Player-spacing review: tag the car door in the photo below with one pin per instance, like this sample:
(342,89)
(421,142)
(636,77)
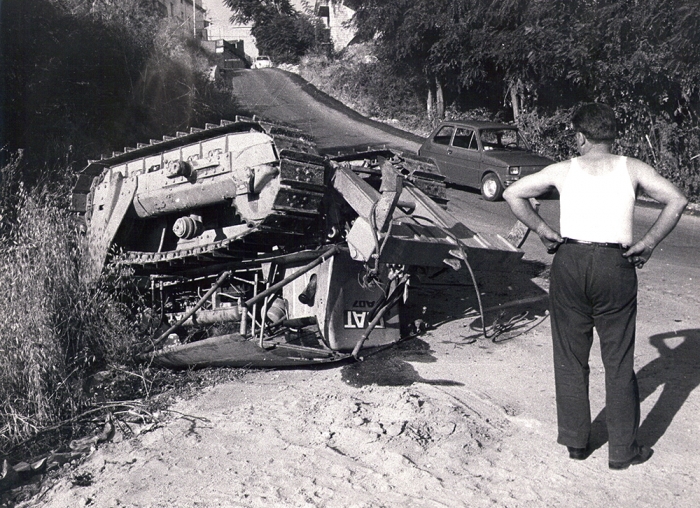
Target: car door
(438,148)
(465,158)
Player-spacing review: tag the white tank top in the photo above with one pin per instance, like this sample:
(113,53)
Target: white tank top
(597,208)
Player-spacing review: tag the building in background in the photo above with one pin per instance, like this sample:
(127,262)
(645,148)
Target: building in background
(189,12)
(335,16)
(216,32)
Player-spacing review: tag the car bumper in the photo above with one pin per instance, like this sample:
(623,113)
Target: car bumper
(524,171)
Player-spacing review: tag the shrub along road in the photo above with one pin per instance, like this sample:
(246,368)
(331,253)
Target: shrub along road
(446,419)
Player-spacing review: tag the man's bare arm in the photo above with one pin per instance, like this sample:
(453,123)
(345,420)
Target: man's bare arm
(518,194)
(665,193)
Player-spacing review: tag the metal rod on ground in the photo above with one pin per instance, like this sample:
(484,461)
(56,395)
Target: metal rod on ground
(370,327)
(275,287)
(262,326)
(194,309)
(244,320)
(264,309)
(255,305)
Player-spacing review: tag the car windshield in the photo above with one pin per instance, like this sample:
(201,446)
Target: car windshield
(502,139)
(263,58)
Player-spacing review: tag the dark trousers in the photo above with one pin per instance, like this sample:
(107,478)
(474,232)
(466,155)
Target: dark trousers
(594,286)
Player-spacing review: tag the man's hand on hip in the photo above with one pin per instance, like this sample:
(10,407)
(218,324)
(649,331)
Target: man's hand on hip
(638,254)
(550,238)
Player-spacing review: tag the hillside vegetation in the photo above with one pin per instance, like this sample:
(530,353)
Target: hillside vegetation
(79,78)
(531,62)
(369,87)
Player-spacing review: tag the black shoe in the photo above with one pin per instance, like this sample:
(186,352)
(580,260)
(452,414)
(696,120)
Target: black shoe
(577,453)
(643,454)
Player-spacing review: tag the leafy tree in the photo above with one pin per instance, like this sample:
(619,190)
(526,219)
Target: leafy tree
(284,38)
(418,35)
(279,30)
(456,45)
(258,11)
(550,50)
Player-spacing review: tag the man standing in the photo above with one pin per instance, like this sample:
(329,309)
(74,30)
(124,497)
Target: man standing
(593,279)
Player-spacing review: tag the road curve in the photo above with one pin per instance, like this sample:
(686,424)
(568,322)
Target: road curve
(280,96)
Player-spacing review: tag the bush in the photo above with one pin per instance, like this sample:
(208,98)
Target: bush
(672,148)
(549,135)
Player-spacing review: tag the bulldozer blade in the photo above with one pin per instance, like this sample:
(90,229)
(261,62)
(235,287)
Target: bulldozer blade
(235,351)
(107,217)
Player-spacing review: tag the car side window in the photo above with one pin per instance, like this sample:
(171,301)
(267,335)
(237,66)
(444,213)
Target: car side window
(464,138)
(444,135)
(500,139)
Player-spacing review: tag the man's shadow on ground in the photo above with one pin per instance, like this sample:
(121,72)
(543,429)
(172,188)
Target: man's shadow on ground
(677,370)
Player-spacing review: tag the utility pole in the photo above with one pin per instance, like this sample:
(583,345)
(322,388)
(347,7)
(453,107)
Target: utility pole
(194,18)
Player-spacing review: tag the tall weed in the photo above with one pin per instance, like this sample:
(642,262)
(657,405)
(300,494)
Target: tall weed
(55,329)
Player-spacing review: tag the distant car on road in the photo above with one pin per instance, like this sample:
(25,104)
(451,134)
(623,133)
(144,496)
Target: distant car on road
(484,155)
(262,62)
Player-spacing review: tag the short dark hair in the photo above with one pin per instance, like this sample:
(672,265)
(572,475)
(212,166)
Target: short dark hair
(595,121)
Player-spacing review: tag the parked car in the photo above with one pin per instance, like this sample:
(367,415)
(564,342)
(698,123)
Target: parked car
(483,155)
(262,62)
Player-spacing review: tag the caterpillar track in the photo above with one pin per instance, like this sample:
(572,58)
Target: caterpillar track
(219,194)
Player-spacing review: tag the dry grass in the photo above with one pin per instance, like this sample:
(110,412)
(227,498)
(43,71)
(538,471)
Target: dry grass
(55,329)
(99,80)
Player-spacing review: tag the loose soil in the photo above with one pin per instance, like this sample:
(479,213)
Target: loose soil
(445,419)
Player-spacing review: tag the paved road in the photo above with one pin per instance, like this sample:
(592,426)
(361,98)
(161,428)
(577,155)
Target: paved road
(284,97)
(279,96)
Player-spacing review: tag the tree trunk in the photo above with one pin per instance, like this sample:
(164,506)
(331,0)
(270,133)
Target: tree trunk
(515,98)
(431,105)
(439,100)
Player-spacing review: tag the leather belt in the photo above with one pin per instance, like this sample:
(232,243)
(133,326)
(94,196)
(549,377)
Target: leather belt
(596,244)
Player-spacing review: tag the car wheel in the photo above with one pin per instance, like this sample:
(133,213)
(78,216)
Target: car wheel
(491,187)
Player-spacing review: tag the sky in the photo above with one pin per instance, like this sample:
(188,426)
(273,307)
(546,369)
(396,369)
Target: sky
(218,13)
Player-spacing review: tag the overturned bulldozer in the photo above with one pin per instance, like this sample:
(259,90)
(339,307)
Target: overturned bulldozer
(260,252)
